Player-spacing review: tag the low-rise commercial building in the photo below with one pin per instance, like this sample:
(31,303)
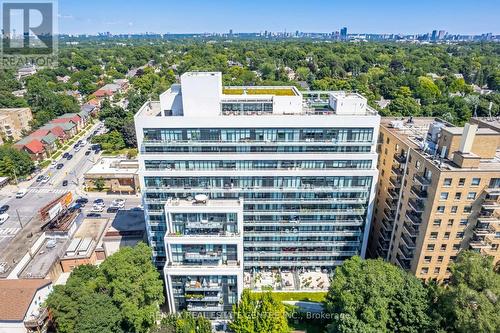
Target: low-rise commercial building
(118,175)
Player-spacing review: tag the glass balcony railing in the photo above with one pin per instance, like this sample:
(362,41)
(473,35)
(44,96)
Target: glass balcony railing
(205,308)
(198,287)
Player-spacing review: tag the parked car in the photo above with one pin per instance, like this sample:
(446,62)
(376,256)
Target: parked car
(4,208)
(120,203)
(65,155)
(99,202)
(69,157)
(93,215)
(97,208)
(39,178)
(59,166)
(45,180)
(3,217)
(53,164)
(112,209)
(82,201)
(87,153)
(65,183)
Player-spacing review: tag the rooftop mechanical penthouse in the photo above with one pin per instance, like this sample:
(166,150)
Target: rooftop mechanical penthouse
(302,163)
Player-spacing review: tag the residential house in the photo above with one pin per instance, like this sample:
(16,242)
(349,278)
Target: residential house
(57,130)
(22,310)
(26,71)
(49,140)
(33,147)
(63,79)
(70,117)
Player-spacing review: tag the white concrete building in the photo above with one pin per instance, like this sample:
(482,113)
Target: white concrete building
(204,246)
(304,164)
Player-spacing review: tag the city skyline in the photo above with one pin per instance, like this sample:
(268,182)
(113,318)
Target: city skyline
(217,17)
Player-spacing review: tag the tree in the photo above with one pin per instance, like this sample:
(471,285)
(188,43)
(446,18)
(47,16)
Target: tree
(99,184)
(471,301)
(183,323)
(376,296)
(123,294)
(14,163)
(259,313)
(111,141)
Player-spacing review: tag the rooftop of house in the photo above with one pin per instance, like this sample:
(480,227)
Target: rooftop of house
(44,259)
(34,146)
(20,293)
(91,229)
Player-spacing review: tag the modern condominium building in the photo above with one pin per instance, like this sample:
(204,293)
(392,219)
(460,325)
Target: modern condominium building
(438,193)
(303,165)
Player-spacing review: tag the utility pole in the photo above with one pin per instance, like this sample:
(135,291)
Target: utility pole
(19,218)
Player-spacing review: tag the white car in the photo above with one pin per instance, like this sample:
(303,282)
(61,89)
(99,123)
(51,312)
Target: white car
(97,208)
(45,180)
(4,217)
(83,143)
(120,203)
(21,193)
(53,164)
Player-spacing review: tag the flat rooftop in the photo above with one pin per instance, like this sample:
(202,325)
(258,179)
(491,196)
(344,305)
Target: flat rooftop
(260,90)
(127,223)
(112,165)
(44,259)
(414,134)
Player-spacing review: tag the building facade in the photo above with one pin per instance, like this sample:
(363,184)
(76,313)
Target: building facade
(304,165)
(204,246)
(13,122)
(438,194)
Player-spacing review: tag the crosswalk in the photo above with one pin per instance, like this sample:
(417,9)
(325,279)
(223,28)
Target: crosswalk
(47,190)
(8,232)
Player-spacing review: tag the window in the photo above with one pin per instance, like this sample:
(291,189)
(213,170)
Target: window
(450,222)
(463,222)
(440,259)
(430,247)
(475,181)
(454,209)
(434,235)
(427,259)
(461,182)
(447,182)
(446,235)
(443,247)
(424,270)
(456,247)
(467,209)
(471,196)
(436,270)
(453,258)
(440,209)
(458,195)
(436,222)
(460,235)
(444,195)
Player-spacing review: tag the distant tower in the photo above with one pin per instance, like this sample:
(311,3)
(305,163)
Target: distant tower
(441,34)
(343,33)
(434,35)
(230,32)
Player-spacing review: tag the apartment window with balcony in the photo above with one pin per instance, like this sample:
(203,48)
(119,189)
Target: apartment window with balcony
(454,209)
(427,259)
(463,222)
(436,270)
(440,259)
(475,181)
(430,247)
(461,182)
(447,182)
(460,235)
(456,247)
(467,209)
(458,195)
(440,209)
(436,222)
(446,235)
(424,270)
(471,196)
(450,222)
(434,235)
(444,195)
(443,247)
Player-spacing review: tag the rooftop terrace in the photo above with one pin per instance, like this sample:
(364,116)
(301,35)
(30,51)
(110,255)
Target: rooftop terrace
(264,90)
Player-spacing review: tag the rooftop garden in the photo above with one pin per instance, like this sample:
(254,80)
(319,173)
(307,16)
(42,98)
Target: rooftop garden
(259,91)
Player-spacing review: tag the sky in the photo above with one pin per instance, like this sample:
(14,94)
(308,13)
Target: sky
(362,16)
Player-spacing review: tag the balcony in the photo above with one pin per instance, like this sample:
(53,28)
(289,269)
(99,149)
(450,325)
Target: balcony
(405,253)
(37,320)
(419,193)
(397,171)
(204,256)
(416,205)
(198,287)
(385,236)
(401,159)
(394,182)
(390,214)
(414,218)
(407,241)
(394,195)
(386,225)
(204,224)
(411,231)
(490,204)
(404,264)
(202,298)
(391,204)
(478,243)
(422,180)
(205,308)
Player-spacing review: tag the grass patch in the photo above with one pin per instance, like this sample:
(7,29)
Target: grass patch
(315,296)
(44,164)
